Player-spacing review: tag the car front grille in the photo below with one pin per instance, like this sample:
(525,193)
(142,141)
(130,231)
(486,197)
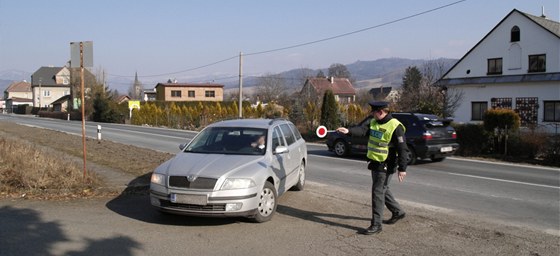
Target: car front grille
(199,183)
(193,207)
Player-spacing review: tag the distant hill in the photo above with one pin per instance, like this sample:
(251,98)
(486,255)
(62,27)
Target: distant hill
(367,74)
(7,77)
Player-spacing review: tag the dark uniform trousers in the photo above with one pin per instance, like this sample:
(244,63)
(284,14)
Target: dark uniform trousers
(380,193)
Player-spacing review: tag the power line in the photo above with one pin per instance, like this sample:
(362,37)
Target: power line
(181,71)
(304,44)
(355,32)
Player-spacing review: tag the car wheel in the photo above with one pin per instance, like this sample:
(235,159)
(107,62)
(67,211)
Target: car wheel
(301,177)
(437,159)
(340,148)
(411,155)
(267,203)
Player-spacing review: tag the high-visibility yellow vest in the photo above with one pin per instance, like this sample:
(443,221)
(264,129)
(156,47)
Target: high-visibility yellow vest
(380,137)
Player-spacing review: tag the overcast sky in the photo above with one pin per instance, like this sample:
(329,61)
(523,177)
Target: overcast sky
(172,38)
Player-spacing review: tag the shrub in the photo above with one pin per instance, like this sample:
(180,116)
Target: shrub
(552,151)
(504,119)
(473,139)
(527,145)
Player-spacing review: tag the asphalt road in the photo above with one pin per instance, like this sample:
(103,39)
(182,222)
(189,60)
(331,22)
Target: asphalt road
(518,195)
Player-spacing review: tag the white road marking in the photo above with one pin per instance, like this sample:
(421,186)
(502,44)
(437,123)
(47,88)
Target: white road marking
(502,180)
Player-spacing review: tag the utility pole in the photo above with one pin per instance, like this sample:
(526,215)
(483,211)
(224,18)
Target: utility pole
(83,51)
(240,84)
(40,93)
(83,104)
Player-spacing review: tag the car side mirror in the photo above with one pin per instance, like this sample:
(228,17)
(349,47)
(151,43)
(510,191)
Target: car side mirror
(280,150)
(182,146)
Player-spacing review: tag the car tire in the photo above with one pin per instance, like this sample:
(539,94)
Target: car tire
(437,159)
(411,155)
(340,148)
(301,178)
(267,203)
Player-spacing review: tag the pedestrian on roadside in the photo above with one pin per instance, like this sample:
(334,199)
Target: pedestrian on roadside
(387,153)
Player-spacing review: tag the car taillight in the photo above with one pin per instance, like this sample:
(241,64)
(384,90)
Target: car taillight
(454,135)
(427,136)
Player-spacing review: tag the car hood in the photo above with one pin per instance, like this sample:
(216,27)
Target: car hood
(206,165)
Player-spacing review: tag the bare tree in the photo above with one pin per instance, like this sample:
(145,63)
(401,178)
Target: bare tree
(363,96)
(270,87)
(449,100)
(340,71)
(421,92)
(231,95)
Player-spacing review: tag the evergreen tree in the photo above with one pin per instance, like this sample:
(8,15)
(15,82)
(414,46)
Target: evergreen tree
(320,74)
(410,99)
(104,109)
(330,117)
(297,114)
(412,79)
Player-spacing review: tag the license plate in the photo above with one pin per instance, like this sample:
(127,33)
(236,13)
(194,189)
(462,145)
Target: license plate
(188,199)
(446,149)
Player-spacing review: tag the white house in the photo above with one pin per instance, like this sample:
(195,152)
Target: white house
(515,66)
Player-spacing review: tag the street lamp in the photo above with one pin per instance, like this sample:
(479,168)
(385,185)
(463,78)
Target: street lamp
(443,91)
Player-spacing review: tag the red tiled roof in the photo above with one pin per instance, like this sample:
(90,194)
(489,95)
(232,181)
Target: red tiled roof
(22,86)
(339,86)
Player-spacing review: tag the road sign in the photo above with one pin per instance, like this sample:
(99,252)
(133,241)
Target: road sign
(322,131)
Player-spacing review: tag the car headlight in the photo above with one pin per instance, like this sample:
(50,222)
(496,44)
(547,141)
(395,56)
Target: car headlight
(237,184)
(158,179)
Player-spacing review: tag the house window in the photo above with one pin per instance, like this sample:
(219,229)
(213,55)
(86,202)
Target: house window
(209,94)
(515,34)
(191,94)
(495,66)
(176,94)
(501,103)
(537,63)
(46,93)
(478,109)
(552,111)
(527,109)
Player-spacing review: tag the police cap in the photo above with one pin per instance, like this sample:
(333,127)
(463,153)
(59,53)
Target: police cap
(377,105)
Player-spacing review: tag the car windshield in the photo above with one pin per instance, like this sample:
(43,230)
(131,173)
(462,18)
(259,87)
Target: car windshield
(229,140)
(432,121)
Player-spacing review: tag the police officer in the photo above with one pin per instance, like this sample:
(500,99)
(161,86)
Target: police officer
(386,153)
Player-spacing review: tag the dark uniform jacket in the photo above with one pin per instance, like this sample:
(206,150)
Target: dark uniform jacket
(397,149)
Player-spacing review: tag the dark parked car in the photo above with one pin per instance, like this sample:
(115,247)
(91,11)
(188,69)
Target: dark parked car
(427,136)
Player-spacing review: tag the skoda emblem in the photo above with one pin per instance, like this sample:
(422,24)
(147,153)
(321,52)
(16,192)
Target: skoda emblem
(191,178)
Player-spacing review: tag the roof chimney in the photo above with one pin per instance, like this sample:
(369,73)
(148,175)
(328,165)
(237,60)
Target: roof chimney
(331,79)
(542,11)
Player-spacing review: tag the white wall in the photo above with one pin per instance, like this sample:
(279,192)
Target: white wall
(534,40)
(543,91)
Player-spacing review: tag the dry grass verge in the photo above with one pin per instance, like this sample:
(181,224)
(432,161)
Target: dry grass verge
(28,152)
(28,171)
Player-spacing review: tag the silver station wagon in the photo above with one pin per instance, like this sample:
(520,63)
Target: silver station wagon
(232,168)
